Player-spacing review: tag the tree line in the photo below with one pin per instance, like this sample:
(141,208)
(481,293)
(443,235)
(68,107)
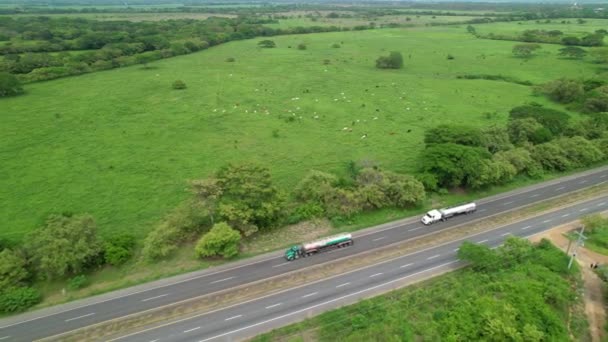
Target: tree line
(42,48)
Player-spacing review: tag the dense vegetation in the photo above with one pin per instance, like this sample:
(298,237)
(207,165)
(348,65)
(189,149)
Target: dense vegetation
(518,292)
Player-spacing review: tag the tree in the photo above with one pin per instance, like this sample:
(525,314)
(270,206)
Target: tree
(393,61)
(9,85)
(457,134)
(453,164)
(525,50)
(496,139)
(119,249)
(521,159)
(600,55)
(144,58)
(522,130)
(593,39)
(221,240)
(12,269)
(571,40)
(248,201)
(493,172)
(554,120)
(471,30)
(64,245)
(267,43)
(480,256)
(301,46)
(564,90)
(572,52)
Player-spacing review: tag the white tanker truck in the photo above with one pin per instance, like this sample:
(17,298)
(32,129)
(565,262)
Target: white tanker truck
(445,213)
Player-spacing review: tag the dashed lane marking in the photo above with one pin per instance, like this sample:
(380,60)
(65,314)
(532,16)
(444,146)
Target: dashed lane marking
(310,294)
(221,280)
(375,275)
(526,227)
(274,305)
(482,241)
(279,265)
(411,230)
(380,238)
(79,317)
(406,265)
(433,257)
(155,297)
(341,285)
(233,317)
(189,330)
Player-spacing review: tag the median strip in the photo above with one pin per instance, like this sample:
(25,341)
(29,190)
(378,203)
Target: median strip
(122,326)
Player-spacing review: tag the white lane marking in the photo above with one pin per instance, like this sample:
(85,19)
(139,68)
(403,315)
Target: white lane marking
(526,227)
(535,195)
(601,204)
(456,250)
(233,317)
(342,285)
(273,306)
(505,234)
(482,241)
(406,265)
(325,303)
(584,209)
(560,188)
(279,265)
(4,338)
(433,257)
(547,221)
(565,215)
(310,294)
(152,298)
(411,230)
(221,280)
(481,210)
(602,176)
(375,275)
(153,340)
(507,203)
(189,330)
(79,317)
(582,182)
(380,238)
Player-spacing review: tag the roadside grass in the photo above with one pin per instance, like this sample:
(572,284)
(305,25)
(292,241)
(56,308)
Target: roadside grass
(121,144)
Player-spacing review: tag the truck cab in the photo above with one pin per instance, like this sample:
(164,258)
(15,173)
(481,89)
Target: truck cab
(292,253)
(431,217)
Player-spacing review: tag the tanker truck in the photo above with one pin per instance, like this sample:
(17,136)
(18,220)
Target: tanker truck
(445,213)
(308,249)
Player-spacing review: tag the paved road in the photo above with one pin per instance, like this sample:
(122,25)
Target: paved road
(54,321)
(251,318)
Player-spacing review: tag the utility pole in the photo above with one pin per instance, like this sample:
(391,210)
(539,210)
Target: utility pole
(580,241)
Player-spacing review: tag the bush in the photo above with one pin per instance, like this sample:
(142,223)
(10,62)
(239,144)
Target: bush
(230,59)
(116,255)
(9,85)
(12,269)
(267,43)
(301,46)
(221,240)
(78,282)
(335,45)
(18,299)
(393,61)
(563,90)
(179,85)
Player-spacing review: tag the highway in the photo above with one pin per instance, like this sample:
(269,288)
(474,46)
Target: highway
(53,321)
(254,317)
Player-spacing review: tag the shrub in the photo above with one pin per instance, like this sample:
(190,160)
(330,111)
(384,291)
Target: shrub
(563,90)
(221,240)
(393,61)
(179,84)
(335,45)
(230,59)
(301,46)
(267,43)
(116,255)
(9,85)
(12,269)
(18,299)
(78,282)
(450,56)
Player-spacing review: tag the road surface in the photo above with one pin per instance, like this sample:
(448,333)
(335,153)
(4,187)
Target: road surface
(254,317)
(57,320)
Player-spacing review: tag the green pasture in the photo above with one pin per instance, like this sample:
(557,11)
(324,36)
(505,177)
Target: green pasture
(135,16)
(517,27)
(121,144)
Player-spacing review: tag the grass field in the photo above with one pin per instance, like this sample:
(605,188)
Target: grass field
(415,20)
(121,144)
(573,28)
(136,16)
